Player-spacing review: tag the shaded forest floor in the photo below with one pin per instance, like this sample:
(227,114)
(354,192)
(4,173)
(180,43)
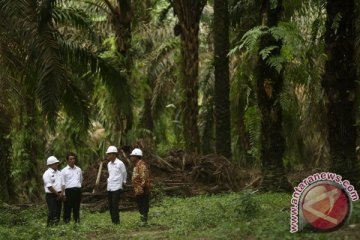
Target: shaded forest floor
(242,215)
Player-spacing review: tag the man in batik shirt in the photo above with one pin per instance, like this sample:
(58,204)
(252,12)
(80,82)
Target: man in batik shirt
(141,183)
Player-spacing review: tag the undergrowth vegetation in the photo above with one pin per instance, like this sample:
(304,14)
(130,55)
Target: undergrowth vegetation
(246,215)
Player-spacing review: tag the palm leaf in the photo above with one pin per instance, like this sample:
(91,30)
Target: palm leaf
(77,18)
(76,104)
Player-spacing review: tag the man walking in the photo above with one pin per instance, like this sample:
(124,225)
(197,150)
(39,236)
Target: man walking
(116,180)
(72,180)
(53,186)
(141,183)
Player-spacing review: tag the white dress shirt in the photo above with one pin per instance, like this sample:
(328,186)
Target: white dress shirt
(52,178)
(117,175)
(72,177)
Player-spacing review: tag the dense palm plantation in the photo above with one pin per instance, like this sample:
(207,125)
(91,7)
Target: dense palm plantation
(271,85)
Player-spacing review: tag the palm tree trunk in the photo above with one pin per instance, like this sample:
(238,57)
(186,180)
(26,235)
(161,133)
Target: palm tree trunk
(121,18)
(189,69)
(31,179)
(222,85)
(147,118)
(339,82)
(189,13)
(148,121)
(6,193)
(269,86)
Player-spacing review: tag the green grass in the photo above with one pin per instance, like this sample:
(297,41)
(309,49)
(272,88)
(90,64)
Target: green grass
(228,216)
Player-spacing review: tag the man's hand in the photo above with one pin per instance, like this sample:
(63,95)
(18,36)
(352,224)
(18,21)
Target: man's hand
(59,196)
(62,196)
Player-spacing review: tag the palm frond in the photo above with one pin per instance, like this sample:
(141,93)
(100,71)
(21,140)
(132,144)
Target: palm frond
(76,104)
(83,59)
(75,17)
(99,14)
(164,88)
(159,47)
(116,83)
(96,6)
(50,72)
(164,12)
(77,57)
(161,59)
(11,54)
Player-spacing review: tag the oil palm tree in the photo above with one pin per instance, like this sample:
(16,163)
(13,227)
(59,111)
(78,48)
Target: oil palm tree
(49,70)
(339,82)
(222,82)
(189,13)
(269,87)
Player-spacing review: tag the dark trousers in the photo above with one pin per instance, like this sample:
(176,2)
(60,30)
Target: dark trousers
(72,204)
(113,199)
(143,205)
(54,209)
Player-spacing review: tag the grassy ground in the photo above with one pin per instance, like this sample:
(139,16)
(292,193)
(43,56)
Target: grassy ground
(228,216)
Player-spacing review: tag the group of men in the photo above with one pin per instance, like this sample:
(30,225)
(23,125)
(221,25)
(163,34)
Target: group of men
(64,187)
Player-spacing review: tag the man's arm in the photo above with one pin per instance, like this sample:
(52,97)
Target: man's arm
(62,184)
(48,185)
(81,176)
(52,189)
(123,172)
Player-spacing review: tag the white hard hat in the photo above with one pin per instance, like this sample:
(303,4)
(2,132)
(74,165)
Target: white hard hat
(112,149)
(51,160)
(136,152)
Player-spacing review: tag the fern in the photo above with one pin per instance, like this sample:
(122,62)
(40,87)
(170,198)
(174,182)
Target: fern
(276,62)
(265,52)
(249,41)
(252,121)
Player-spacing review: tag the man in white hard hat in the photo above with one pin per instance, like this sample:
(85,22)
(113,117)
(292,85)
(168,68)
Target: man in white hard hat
(53,190)
(72,179)
(115,182)
(141,183)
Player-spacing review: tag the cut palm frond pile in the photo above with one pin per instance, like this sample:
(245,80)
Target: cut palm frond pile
(177,174)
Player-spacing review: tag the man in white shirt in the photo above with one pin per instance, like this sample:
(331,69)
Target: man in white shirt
(115,182)
(53,190)
(72,180)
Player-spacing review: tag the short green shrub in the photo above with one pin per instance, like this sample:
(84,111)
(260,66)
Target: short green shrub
(247,206)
